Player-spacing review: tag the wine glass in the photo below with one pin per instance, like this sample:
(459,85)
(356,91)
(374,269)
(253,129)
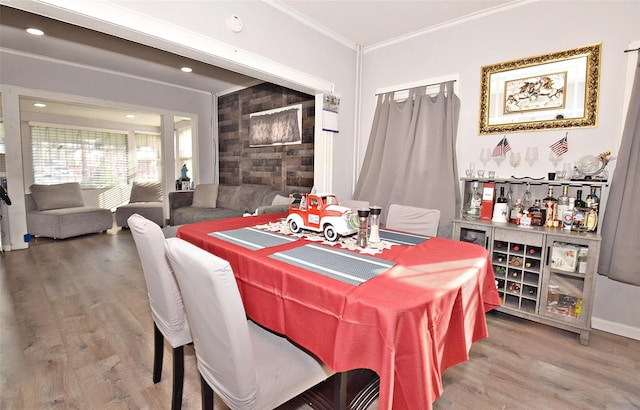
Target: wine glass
(531,156)
(485,156)
(498,159)
(555,159)
(515,159)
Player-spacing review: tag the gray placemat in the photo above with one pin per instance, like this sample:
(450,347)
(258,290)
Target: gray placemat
(253,238)
(402,238)
(345,266)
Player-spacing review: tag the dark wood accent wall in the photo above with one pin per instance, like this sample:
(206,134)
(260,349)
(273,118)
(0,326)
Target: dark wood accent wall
(276,166)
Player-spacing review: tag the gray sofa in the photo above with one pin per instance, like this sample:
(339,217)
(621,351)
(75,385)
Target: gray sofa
(231,201)
(58,211)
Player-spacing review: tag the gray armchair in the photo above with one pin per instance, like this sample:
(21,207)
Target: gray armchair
(145,200)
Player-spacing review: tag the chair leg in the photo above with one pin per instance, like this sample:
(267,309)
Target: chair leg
(207,394)
(158,351)
(178,377)
(340,391)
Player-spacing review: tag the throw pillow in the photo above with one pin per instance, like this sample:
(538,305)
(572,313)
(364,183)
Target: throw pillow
(280,200)
(146,192)
(57,196)
(205,196)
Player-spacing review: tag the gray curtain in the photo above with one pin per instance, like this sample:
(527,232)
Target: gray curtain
(411,157)
(620,227)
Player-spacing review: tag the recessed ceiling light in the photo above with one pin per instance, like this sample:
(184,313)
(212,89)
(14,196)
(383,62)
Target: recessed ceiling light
(130,116)
(35,31)
(40,105)
(186,69)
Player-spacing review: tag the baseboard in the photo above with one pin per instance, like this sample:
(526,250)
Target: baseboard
(615,328)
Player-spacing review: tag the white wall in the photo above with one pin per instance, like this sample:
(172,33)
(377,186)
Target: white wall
(532,29)
(272,46)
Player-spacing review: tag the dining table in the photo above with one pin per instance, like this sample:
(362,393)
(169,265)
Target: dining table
(407,309)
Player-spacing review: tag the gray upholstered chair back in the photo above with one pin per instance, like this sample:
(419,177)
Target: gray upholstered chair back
(412,219)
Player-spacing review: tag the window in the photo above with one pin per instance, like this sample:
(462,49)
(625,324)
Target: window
(184,150)
(148,157)
(3,151)
(95,159)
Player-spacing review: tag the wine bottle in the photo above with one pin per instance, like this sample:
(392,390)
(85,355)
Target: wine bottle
(592,200)
(501,208)
(579,202)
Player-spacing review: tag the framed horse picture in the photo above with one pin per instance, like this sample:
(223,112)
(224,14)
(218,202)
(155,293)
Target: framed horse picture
(551,91)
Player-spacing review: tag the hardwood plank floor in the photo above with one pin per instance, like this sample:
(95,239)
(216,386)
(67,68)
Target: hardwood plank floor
(76,333)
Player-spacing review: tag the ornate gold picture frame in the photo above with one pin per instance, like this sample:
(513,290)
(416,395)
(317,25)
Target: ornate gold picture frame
(551,91)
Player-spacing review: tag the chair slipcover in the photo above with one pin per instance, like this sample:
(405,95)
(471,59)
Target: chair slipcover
(412,219)
(165,299)
(246,365)
(355,205)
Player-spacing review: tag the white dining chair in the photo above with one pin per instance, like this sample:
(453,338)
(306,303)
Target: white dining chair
(169,318)
(406,218)
(246,365)
(354,205)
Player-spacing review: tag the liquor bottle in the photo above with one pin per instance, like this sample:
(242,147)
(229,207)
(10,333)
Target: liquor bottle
(516,212)
(593,204)
(537,216)
(501,209)
(579,202)
(580,214)
(567,216)
(592,200)
(472,210)
(550,203)
(563,203)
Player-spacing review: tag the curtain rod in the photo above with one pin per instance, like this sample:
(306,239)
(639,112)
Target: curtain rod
(417,86)
(632,49)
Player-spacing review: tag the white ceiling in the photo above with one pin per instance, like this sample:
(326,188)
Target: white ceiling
(369,23)
(372,22)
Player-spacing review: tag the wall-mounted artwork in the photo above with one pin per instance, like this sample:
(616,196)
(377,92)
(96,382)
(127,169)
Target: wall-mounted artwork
(556,90)
(279,126)
(543,92)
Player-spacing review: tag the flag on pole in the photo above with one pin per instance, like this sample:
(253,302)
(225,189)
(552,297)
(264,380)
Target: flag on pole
(561,146)
(502,148)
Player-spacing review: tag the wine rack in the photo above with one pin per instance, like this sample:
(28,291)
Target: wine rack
(517,265)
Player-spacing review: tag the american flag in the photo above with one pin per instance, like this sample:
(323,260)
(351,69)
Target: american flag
(502,148)
(561,146)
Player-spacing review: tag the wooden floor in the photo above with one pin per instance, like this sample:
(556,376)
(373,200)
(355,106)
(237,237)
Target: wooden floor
(76,333)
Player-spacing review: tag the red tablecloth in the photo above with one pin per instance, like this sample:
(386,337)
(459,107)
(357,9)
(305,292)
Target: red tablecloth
(408,324)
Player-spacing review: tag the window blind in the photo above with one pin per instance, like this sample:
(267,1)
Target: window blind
(148,157)
(95,159)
